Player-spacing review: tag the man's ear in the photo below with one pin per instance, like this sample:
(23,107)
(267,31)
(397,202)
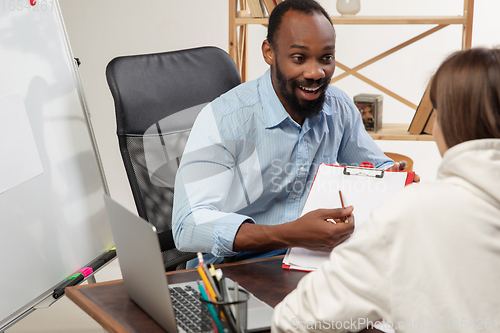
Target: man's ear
(268,53)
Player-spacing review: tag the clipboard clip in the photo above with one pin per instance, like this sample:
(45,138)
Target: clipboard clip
(362,171)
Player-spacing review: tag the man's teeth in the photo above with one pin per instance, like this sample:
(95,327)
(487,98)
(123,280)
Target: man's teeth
(310,89)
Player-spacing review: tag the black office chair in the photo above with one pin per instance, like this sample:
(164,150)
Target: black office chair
(157,98)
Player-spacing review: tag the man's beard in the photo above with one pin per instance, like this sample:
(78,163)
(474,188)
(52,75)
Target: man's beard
(304,108)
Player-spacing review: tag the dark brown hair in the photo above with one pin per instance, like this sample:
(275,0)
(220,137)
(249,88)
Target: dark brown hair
(465,92)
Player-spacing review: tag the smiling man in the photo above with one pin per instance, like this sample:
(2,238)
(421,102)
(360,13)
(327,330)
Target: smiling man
(253,152)
(300,48)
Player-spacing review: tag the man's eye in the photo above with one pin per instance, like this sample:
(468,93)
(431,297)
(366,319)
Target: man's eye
(297,58)
(328,58)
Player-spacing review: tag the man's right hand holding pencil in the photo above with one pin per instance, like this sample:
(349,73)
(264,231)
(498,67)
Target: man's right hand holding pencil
(314,231)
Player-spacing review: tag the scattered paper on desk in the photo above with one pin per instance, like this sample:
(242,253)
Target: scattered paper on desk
(363,192)
(302,259)
(19,157)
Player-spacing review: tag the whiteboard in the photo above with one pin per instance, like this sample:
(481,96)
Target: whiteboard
(52,221)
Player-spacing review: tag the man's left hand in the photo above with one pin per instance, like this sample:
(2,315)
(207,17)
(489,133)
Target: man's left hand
(400,166)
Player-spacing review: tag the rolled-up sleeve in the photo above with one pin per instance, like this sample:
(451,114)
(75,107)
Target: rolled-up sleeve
(204,186)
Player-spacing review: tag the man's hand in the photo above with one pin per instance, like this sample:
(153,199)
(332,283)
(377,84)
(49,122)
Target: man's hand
(400,166)
(314,231)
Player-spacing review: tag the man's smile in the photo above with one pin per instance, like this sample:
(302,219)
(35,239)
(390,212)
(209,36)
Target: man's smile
(309,93)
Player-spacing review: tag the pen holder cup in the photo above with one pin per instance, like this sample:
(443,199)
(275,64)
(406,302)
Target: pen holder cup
(230,315)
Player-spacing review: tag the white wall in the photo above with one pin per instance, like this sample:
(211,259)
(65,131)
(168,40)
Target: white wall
(100,30)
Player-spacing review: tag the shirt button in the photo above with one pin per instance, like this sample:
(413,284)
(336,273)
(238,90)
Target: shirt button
(294,196)
(302,169)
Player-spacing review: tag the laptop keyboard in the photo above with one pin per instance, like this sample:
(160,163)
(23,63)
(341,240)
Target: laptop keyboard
(188,309)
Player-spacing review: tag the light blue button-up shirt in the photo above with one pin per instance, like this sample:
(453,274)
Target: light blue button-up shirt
(247,160)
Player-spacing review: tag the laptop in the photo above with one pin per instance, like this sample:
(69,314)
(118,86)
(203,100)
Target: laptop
(144,276)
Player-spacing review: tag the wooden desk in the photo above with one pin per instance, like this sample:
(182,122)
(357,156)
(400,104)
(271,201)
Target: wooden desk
(110,306)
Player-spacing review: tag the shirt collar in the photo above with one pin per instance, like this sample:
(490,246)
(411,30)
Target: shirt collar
(273,111)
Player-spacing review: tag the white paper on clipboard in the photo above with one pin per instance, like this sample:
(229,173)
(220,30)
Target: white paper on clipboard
(365,189)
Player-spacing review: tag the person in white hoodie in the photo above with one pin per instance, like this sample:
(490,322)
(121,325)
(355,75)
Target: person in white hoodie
(429,259)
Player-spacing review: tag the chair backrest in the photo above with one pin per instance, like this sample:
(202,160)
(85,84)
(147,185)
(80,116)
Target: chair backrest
(157,98)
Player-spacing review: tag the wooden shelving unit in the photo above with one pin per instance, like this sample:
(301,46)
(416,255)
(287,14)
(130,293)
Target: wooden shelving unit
(398,132)
(371,20)
(238,49)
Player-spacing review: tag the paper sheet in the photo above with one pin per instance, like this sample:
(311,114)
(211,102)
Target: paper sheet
(363,192)
(19,157)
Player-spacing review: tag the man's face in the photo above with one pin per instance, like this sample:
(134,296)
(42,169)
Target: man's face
(303,62)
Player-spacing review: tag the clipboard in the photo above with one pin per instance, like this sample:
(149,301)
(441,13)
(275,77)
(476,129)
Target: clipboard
(362,187)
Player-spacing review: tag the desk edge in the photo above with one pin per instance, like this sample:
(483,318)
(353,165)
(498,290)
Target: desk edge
(108,323)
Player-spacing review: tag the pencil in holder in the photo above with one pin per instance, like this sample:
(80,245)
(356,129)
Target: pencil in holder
(226,316)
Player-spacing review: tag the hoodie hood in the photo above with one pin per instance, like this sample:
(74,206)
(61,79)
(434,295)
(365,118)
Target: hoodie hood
(475,166)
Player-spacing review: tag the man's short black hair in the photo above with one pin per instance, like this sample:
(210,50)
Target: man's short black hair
(308,7)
